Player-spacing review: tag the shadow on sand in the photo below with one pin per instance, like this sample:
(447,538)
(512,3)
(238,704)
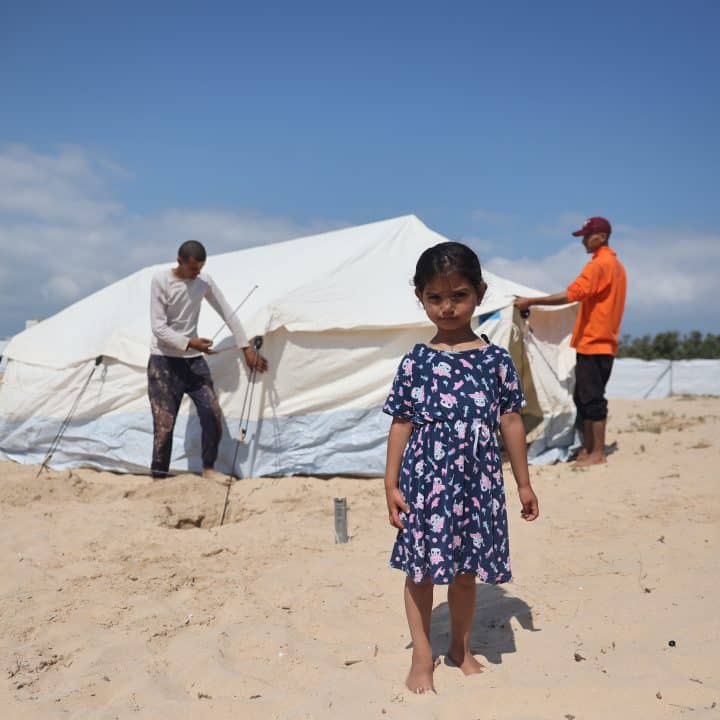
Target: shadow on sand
(492,635)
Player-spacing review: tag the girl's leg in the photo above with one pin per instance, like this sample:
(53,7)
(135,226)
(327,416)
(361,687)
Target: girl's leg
(418,606)
(461,600)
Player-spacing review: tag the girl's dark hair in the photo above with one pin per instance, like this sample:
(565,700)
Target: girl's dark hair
(192,249)
(445,258)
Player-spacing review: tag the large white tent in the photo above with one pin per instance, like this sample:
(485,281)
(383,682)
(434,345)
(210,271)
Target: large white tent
(336,311)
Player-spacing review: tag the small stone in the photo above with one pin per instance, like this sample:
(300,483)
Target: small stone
(671,643)
(578,657)
(658,695)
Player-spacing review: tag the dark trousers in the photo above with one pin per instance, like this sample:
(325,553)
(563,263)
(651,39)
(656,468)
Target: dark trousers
(592,373)
(169,379)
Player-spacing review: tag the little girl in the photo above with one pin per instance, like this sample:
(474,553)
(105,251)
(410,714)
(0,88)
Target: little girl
(443,477)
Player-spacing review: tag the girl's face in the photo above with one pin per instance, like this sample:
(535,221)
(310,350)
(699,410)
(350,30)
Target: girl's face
(450,301)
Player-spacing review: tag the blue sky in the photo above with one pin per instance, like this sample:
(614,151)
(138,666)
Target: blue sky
(503,126)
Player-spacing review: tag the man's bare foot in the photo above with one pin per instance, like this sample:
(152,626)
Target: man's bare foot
(420,677)
(215,476)
(466,661)
(590,459)
(582,453)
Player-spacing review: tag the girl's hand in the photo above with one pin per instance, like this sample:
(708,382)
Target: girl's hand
(396,503)
(529,502)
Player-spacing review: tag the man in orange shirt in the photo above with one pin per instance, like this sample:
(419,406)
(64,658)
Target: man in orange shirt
(600,288)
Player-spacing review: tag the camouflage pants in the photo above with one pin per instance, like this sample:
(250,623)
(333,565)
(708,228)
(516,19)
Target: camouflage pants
(169,378)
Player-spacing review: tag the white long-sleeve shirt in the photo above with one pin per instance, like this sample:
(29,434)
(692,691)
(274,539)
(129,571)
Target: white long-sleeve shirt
(175,309)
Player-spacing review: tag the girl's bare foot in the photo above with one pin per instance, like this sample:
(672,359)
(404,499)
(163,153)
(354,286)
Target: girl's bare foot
(466,661)
(420,677)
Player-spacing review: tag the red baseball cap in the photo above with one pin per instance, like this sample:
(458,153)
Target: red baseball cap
(594,225)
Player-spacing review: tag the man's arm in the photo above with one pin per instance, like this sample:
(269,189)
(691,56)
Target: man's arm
(523,303)
(253,358)
(588,283)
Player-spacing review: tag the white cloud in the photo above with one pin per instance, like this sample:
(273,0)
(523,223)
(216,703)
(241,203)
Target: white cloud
(550,274)
(66,187)
(482,245)
(62,288)
(563,224)
(672,276)
(63,235)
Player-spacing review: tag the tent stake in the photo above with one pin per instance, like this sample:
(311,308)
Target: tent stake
(341,535)
(257,344)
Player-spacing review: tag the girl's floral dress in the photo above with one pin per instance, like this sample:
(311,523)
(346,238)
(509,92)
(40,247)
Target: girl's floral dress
(451,474)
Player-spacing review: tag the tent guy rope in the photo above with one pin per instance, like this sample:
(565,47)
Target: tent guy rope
(68,418)
(240,304)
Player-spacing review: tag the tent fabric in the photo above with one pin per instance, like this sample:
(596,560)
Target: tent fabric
(540,348)
(347,279)
(336,311)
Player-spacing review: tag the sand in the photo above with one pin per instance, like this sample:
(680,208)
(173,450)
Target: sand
(122,598)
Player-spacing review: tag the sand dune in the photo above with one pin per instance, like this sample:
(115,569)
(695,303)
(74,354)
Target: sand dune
(122,598)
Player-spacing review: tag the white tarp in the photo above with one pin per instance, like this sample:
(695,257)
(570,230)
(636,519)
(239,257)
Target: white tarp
(343,280)
(336,311)
(650,379)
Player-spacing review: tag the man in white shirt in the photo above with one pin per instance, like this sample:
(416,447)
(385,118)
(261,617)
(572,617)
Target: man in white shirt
(177,365)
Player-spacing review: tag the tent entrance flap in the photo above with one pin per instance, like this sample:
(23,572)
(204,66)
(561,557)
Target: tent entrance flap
(532,413)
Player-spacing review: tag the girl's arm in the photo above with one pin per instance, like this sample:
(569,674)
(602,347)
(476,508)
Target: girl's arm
(513,435)
(400,432)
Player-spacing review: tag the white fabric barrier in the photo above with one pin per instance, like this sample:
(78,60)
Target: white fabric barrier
(651,379)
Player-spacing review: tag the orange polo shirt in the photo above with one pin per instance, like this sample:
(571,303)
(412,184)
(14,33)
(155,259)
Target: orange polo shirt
(600,288)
